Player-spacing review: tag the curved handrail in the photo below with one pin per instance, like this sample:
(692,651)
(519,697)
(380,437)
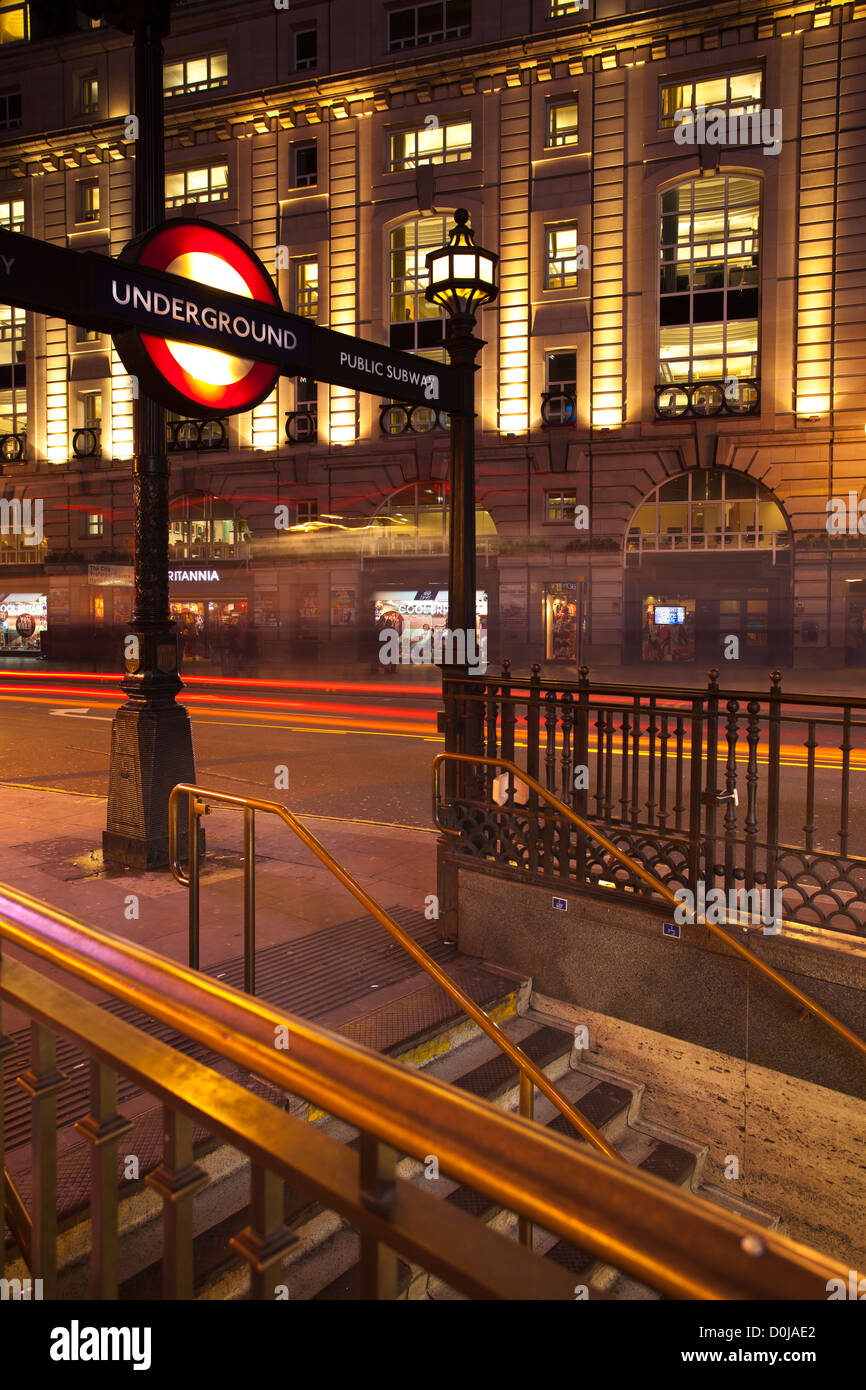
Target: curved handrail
(199,796)
(685,1247)
(805,1000)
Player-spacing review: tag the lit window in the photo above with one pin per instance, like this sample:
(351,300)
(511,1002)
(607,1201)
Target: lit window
(195,75)
(708,306)
(558,9)
(559,407)
(415,324)
(307,287)
(561,261)
(708,509)
(561,123)
(88,200)
(305,164)
(12,215)
(91,409)
(306,49)
(205,185)
(10,110)
(559,506)
(88,94)
(95,524)
(742,92)
(13,23)
(430,23)
(448,143)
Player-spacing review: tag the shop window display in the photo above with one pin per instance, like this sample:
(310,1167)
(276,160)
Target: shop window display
(668,629)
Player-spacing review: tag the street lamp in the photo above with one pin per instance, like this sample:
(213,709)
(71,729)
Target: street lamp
(461,280)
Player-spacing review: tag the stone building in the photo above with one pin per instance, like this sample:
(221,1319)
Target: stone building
(670,395)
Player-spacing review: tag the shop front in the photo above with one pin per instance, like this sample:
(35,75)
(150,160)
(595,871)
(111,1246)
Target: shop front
(23,624)
(211,607)
(685,610)
(564,616)
(416,616)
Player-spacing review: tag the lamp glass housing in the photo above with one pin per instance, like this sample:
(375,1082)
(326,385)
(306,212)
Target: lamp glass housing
(461,274)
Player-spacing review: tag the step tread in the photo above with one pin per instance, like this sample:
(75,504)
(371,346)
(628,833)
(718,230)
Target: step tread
(348,1286)
(543,1046)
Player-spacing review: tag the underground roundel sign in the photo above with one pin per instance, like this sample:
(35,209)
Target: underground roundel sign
(185,376)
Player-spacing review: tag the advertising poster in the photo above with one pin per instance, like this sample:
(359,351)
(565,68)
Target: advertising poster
(343,606)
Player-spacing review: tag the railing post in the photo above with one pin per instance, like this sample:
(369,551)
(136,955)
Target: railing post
(42,1082)
(266,1241)
(177,1180)
(249,900)
(753,738)
(192,840)
(103,1128)
(527,1107)
(774,741)
(710,803)
(732,735)
(6,1045)
(378,1177)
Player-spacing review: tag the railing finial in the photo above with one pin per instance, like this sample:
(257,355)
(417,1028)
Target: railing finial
(775,682)
(713,678)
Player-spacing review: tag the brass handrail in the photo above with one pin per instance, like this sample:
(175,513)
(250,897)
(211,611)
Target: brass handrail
(198,797)
(679,1244)
(805,1000)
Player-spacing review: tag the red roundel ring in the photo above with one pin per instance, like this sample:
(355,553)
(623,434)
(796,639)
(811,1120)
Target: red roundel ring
(183,375)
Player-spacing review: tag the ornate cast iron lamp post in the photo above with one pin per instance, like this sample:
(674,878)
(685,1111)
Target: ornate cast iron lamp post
(151,738)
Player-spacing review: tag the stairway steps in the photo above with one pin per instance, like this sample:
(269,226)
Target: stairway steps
(493,1078)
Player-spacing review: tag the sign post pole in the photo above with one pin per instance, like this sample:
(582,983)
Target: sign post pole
(151,737)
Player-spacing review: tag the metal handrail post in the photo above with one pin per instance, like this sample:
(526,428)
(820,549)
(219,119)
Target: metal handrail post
(249,900)
(192,822)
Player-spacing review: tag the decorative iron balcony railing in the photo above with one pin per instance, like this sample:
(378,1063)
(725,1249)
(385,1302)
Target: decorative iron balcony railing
(411,419)
(196,434)
(13,447)
(87,442)
(302,426)
(729,396)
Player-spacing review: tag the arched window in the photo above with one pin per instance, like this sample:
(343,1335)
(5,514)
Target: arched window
(708,509)
(415,520)
(416,326)
(708,292)
(202,527)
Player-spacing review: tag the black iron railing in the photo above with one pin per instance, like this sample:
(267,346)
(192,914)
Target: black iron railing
(87,442)
(12,447)
(302,426)
(751,793)
(731,396)
(395,418)
(196,434)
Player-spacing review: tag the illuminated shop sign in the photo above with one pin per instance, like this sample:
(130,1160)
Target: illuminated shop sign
(194,576)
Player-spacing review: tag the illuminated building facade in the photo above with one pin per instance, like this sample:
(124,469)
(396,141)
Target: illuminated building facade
(671,395)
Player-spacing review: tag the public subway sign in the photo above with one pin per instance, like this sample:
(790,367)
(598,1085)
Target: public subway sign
(196,318)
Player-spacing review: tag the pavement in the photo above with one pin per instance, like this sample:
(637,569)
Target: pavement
(52,850)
